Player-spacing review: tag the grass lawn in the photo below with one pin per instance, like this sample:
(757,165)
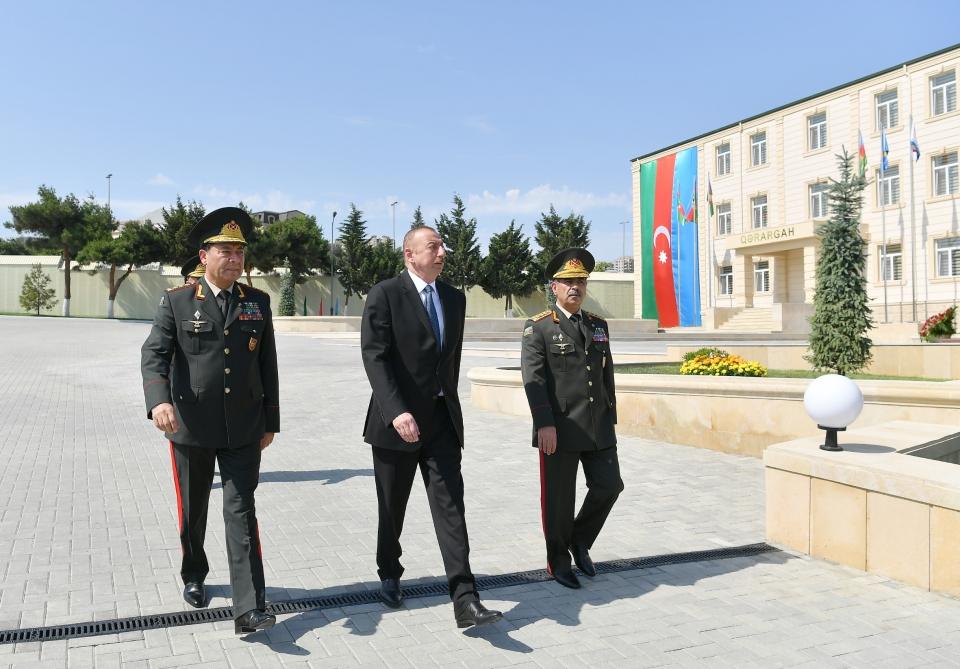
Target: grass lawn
(674,368)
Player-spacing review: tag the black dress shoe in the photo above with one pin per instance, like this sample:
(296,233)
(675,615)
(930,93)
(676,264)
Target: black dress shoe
(390,592)
(582,557)
(254,620)
(473,613)
(567,579)
(195,595)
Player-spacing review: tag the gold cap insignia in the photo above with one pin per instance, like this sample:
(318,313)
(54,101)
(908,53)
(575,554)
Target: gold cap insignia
(572,269)
(230,233)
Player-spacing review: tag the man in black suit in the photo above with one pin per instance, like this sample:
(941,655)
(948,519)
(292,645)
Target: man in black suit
(411,336)
(210,381)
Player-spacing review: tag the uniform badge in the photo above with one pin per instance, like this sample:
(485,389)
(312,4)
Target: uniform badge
(196,314)
(528,331)
(250,311)
(163,298)
(252,344)
(599,335)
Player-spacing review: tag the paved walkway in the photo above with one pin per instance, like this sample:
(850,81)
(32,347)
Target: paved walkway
(88,532)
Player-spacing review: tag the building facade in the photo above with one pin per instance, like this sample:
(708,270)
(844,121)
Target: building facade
(748,262)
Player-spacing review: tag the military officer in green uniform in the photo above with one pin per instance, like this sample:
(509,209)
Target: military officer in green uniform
(568,379)
(192,270)
(210,381)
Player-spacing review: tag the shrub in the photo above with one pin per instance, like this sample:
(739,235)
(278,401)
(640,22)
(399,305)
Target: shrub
(722,365)
(939,325)
(708,351)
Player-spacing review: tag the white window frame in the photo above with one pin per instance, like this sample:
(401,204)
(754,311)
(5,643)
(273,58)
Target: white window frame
(758,148)
(723,159)
(948,257)
(891,262)
(725,280)
(945,174)
(943,94)
(761,276)
(819,198)
(724,219)
(759,214)
(888,186)
(817,131)
(888,110)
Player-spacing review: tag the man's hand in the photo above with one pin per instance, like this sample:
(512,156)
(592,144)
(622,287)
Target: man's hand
(547,439)
(406,427)
(266,440)
(165,418)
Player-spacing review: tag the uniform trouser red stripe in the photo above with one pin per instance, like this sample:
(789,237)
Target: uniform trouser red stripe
(558,487)
(239,473)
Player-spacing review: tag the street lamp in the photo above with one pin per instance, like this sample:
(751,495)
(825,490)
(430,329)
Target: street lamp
(332,265)
(393,209)
(109,211)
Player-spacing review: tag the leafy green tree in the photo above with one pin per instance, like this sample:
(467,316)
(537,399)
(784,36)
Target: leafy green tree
(137,244)
(603,266)
(296,243)
(462,265)
(64,223)
(261,249)
(178,221)
(841,310)
(417,221)
(14,247)
(353,265)
(36,293)
(384,262)
(508,268)
(555,233)
(287,305)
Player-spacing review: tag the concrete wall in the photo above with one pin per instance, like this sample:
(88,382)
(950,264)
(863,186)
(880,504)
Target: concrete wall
(609,295)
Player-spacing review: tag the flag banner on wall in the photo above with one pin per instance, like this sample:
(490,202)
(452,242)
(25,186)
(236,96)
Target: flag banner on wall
(670,275)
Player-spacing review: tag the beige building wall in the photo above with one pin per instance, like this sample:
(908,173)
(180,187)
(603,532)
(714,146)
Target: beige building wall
(792,167)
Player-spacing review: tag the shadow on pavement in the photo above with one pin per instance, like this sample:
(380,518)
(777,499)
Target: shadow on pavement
(327,476)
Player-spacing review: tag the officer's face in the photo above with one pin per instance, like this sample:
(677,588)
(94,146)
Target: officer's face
(570,293)
(424,254)
(224,263)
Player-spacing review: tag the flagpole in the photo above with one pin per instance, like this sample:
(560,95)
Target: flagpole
(883,227)
(913,227)
(710,247)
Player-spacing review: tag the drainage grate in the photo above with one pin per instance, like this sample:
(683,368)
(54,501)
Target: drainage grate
(439,588)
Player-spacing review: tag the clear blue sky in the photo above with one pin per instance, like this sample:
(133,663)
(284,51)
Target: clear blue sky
(313,105)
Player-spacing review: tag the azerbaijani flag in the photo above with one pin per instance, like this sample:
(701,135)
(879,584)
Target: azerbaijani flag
(670,273)
(914,145)
(862,152)
(710,195)
(884,152)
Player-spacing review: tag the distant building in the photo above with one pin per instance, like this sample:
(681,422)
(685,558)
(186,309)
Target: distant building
(623,264)
(268,217)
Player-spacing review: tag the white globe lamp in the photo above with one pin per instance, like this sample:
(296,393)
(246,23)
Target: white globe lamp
(833,401)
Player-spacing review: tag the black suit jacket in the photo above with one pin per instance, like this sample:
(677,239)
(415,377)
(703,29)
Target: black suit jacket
(219,374)
(400,357)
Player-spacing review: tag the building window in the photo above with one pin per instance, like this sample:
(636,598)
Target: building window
(726,280)
(945,174)
(819,197)
(888,186)
(761,277)
(891,263)
(723,159)
(758,149)
(759,207)
(948,257)
(888,115)
(724,219)
(943,93)
(817,130)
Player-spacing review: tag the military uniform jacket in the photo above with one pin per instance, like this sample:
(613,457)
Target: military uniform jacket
(569,384)
(219,374)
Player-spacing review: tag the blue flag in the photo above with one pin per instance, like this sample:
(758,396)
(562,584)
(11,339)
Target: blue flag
(884,152)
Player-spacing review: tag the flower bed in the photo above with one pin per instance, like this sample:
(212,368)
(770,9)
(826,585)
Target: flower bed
(939,325)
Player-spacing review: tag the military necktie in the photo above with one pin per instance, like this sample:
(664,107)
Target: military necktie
(577,321)
(434,318)
(224,298)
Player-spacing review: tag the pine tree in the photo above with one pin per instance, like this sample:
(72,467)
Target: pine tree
(178,221)
(383,262)
(354,261)
(462,264)
(508,268)
(36,293)
(418,221)
(841,310)
(553,234)
(287,305)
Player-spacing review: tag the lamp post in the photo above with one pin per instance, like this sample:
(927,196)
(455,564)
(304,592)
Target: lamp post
(109,211)
(623,247)
(833,401)
(332,264)
(393,210)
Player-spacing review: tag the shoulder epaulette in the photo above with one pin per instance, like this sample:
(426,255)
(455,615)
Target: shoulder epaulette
(176,288)
(594,316)
(540,316)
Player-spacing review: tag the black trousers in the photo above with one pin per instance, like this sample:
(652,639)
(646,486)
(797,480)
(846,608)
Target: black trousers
(439,461)
(558,489)
(240,472)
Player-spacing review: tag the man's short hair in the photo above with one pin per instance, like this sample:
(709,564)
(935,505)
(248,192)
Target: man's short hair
(412,231)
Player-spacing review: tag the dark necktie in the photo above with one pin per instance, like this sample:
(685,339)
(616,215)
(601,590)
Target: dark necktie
(223,297)
(577,321)
(434,318)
